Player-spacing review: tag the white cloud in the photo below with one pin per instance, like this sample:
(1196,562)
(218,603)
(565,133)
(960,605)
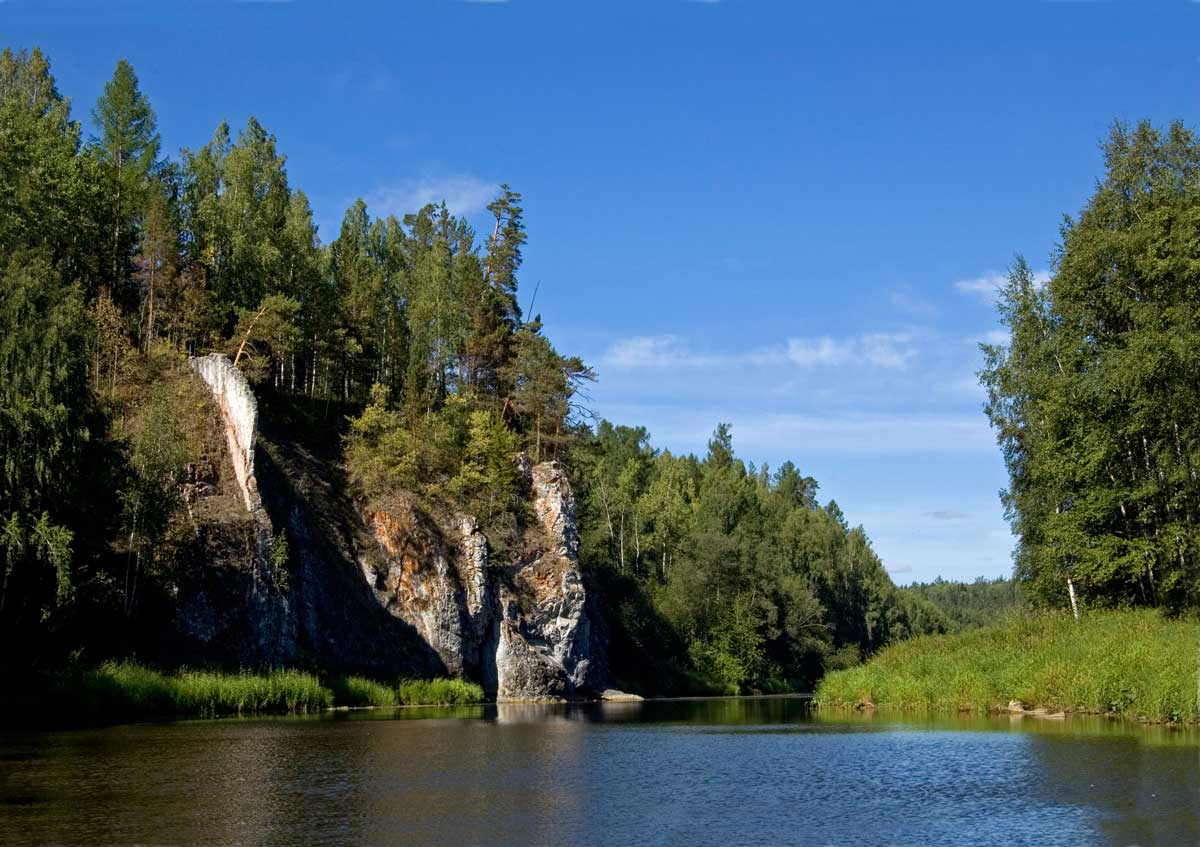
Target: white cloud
(887,350)
(987,286)
(661,351)
(464,195)
(879,350)
(992,336)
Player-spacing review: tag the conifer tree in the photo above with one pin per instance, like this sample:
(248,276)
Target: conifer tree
(127,149)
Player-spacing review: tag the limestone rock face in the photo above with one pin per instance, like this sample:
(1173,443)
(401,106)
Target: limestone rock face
(436,583)
(522,627)
(239,411)
(544,630)
(264,626)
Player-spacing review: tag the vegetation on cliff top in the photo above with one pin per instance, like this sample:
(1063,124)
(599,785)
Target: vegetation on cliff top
(1131,663)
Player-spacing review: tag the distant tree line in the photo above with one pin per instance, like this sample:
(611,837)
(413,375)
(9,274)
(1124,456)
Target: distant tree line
(967,605)
(722,575)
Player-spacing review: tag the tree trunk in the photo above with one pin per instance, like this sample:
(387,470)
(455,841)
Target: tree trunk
(1074,602)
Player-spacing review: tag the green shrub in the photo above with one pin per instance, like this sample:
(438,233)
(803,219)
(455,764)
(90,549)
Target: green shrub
(439,692)
(1133,663)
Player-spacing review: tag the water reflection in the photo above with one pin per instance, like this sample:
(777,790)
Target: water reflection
(724,771)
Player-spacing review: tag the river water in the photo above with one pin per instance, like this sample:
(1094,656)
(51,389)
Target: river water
(720,772)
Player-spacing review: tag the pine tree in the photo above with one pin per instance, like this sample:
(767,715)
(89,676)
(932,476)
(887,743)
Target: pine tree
(127,149)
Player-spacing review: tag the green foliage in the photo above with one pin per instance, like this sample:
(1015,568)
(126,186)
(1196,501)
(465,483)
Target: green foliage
(43,425)
(732,579)
(358,691)
(385,451)
(277,561)
(49,199)
(438,692)
(487,479)
(963,605)
(151,498)
(127,689)
(1133,663)
(1093,396)
(47,227)
(264,336)
(127,154)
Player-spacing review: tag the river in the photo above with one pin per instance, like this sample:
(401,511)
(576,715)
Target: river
(719,772)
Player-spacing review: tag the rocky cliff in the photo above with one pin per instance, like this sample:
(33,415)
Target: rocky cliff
(385,588)
(522,626)
(232,606)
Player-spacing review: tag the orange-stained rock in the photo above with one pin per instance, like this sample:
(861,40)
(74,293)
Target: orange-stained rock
(523,627)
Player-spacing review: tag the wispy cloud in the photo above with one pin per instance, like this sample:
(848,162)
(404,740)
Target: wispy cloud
(987,286)
(862,435)
(948,515)
(877,350)
(909,302)
(659,351)
(464,195)
(992,336)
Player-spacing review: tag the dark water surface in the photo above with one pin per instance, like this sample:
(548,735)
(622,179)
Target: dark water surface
(723,772)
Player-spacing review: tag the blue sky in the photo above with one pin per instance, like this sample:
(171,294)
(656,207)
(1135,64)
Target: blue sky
(784,215)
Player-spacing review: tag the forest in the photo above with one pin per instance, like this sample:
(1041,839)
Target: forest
(403,337)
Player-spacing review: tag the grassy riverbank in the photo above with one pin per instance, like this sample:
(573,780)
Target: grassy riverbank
(128,690)
(1132,663)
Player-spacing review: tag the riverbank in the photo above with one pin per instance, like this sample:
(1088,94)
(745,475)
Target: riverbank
(128,690)
(1136,664)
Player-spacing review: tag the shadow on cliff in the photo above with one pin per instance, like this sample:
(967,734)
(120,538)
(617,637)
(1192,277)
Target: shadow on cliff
(340,625)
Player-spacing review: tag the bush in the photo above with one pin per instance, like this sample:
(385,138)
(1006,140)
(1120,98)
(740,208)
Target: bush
(1133,663)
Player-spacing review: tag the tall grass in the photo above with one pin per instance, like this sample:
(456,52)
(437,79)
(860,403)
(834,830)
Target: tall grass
(360,691)
(129,689)
(439,692)
(1132,663)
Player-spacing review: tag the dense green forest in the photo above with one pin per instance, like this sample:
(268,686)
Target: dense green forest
(968,605)
(405,336)
(1094,396)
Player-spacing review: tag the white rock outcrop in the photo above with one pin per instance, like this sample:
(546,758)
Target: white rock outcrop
(239,411)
